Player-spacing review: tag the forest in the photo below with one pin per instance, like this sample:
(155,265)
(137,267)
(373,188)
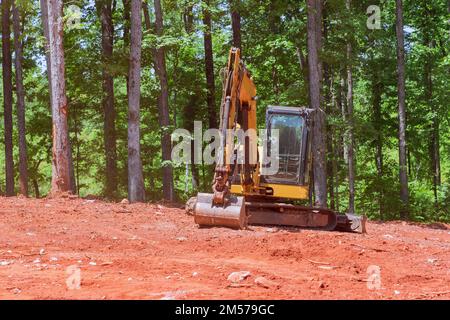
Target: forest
(92,91)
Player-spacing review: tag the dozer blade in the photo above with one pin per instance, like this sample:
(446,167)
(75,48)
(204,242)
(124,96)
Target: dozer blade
(208,215)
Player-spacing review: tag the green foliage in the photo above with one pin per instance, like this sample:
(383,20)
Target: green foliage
(274,41)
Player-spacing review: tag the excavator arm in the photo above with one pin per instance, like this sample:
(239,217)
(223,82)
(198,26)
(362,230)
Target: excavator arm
(238,111)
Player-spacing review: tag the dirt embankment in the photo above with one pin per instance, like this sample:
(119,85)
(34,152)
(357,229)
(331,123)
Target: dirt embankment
(146,251)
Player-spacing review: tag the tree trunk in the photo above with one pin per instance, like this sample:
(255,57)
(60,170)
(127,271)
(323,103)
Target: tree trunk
(45,27)
(164,120)
(377,122)
(434,128)
(209,66)
(344,110)
(403,176)
(330,151)
(126,34)
(61,180)
(188,17)
(329,103)
(44,15)
(7,96)
(336,143)
(20,92)
(236,23)
(319,129)
(136,191)
(36,188)
(351,142)
(104,8)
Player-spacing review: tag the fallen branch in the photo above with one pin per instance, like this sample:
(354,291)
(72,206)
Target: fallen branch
(317,262)
(238,285)
(369,248)
(436,293)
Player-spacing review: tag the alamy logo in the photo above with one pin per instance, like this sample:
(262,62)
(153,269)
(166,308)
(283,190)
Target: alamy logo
(373,277)
(73,17)
(374,19)
(227,147)
(73,280)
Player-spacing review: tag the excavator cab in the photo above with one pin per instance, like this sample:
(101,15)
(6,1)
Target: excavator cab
(288,140)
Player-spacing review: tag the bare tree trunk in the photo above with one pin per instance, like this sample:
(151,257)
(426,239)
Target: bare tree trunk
(315,75)
(377,121)
(351,140)
(435,156)
(7,96)
(403,176)
(164,120)
(126,31)
(104,8)
(44,16)
(236,23)
(329,103)
(20,92)
(61,177)
(209,66)
(45,27)
(330,98)
(188,17)
(434,128)
(36,188)
(136,192)
(344,110)
(336,139)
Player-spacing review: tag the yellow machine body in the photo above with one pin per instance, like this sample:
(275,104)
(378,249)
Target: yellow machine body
(242,194)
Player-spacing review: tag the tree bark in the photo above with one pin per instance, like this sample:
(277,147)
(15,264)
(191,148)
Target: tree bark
(319,129)
(36,188)
(126,22)
(329,103)
(434,128)
(336,146)
(61,177)
(236,23)
(351,142)
(188,17)
(104,8)
(7,96)
(435,144)
(136,191)
(126,33)
(20,93)
(377,122)
(164,120)
(403,176)
(209,66)
(330,152)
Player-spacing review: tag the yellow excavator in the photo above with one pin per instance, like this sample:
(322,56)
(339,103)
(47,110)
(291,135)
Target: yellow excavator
(243,193)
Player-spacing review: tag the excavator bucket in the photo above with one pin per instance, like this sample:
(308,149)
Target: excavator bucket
(351,222)
(232,215)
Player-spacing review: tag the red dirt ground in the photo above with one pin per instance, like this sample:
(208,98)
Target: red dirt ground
(148,251)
